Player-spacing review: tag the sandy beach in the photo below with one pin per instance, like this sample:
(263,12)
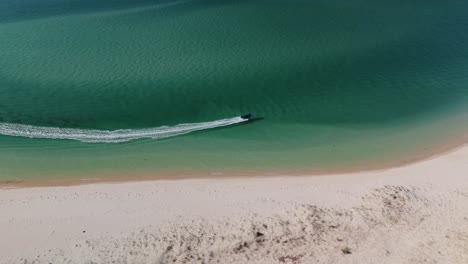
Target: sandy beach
(413,214)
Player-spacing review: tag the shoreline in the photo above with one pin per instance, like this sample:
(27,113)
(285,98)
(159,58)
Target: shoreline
(441,150)
(412,214)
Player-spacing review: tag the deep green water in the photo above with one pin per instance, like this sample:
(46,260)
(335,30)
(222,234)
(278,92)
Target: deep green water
(336,85)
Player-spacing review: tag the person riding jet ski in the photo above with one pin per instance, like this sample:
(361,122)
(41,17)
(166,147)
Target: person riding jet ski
(248,116)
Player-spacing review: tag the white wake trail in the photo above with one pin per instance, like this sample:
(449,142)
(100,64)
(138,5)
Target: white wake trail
(110,136)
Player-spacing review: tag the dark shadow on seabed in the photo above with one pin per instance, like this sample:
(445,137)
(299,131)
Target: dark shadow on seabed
(14,10)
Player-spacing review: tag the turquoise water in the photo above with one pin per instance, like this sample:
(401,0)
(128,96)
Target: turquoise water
(335,85)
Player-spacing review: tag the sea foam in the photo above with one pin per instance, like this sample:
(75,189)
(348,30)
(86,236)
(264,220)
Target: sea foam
(110,136)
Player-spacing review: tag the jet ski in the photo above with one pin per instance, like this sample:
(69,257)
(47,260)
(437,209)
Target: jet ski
(247,116)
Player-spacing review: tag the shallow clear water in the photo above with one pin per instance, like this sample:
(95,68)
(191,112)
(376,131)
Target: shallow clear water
(335,85)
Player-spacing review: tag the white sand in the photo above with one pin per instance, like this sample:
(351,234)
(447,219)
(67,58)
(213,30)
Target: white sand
(414,214)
